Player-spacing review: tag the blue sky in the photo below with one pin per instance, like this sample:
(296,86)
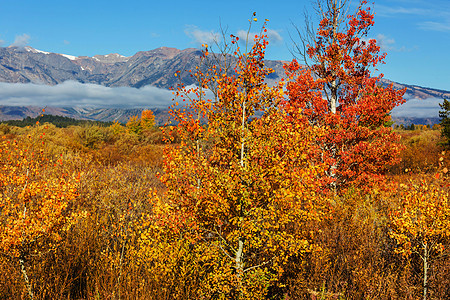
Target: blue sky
(414,33)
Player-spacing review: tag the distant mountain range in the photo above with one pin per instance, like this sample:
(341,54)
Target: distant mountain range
(145,68)
(155,67)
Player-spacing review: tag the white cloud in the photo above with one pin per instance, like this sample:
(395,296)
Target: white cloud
(21,40)
(385,43)
(435,8)
(435,26)
(437,12)
(392,11)
(201,36)
(242,35)
(273,36)
(75,94)
(418,108)
(71,93)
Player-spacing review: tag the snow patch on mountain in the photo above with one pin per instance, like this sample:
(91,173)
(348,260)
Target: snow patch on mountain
(33,50)
(71,57)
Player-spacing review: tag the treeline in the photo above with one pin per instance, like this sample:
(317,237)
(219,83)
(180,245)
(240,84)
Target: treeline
(417,127)
(58,121)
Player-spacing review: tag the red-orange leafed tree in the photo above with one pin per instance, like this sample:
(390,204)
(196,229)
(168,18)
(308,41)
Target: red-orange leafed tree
(337,92)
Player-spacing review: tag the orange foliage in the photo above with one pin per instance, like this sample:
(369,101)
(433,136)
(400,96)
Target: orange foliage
(337,93)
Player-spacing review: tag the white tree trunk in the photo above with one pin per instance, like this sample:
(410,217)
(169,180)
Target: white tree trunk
(25,278)
(425,270)
(240,263)
(333,98)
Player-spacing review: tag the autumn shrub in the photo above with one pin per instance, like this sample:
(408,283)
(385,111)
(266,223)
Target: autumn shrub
(153,136)
(115,197)
(106,145)
(38,195)
(4,129)
(95,257)
(92,136)
(420,153)
(141,126)
(354,255)
(150,155)
(174,268)
(359,243)
(56,140)
(420,226)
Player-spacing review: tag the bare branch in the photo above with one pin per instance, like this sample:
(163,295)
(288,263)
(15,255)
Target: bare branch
(260,265)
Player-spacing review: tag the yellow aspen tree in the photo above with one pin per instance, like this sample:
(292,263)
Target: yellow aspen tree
(147,119)
(421,225)
(134,125)
(241,183)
